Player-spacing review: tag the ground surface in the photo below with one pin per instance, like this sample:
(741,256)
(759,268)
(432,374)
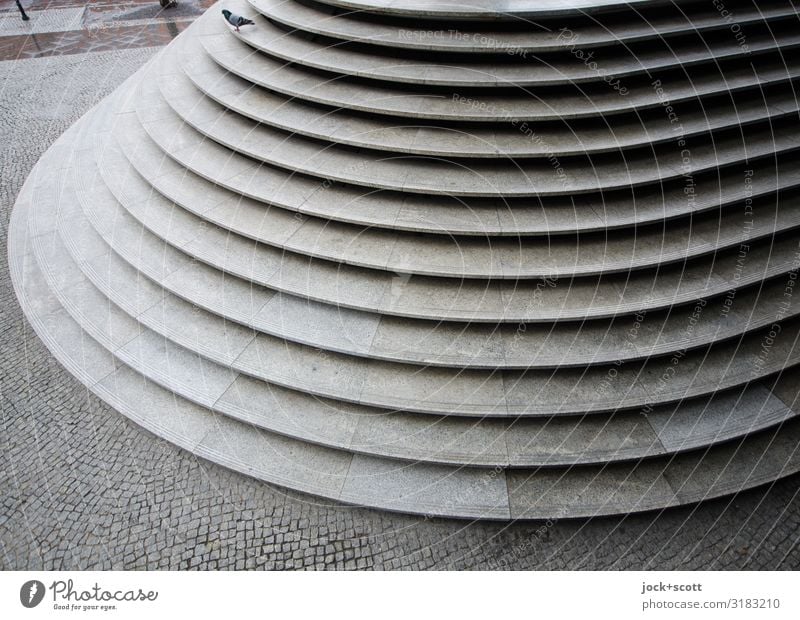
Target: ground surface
(82,488)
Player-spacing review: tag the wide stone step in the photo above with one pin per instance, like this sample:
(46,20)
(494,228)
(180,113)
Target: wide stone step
(109,272)
(472,392)
(472,300)
(547,69)
(479,393)
(417,488)
(588,101)
(482,140)
(200,379)
(469,257)
(466,38)
(446,440)
(468,300)
(534,393)
(190,130)
(495,10)
(509,346)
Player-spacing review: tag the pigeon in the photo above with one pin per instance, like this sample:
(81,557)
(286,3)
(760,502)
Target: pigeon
(236,20)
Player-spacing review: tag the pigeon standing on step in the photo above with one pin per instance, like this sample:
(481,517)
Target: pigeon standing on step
(236,20)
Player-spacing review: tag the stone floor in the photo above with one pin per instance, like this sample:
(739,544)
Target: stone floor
(82,488)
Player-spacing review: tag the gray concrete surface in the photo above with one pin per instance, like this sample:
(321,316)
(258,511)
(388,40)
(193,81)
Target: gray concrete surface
(83,488)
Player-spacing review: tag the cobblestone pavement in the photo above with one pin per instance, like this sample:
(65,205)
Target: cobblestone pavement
(82,488)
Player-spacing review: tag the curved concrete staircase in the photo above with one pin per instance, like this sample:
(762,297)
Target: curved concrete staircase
(535,260)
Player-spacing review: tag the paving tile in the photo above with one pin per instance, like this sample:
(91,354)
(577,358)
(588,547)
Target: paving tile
(177,276)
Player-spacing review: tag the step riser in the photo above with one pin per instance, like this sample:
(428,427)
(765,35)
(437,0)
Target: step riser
(248,364)
(557,69)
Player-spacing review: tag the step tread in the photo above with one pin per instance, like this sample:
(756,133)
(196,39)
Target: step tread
(290,80)
(394,339)
(554,70)
(203,119)
(436,216)
(89,276)
(485,141)
(555,442)
(473,300)
(493,9)
(470,392)
(469,257)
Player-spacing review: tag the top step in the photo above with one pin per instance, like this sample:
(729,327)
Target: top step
(521,39)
